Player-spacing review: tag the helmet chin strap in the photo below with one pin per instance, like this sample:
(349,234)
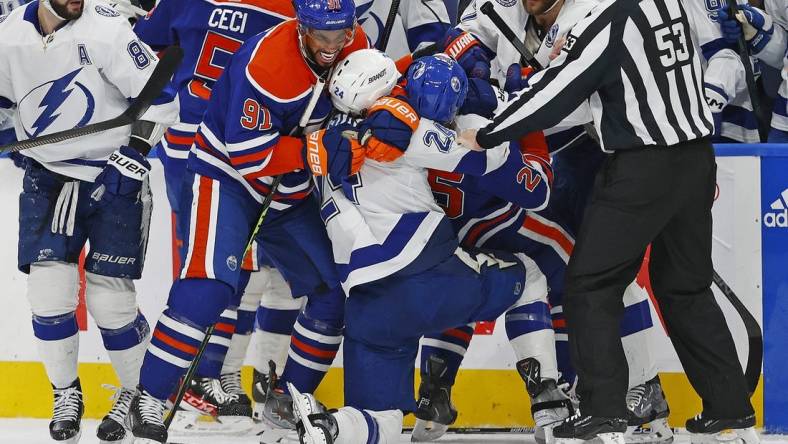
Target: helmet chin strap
(47,4)
(547,11)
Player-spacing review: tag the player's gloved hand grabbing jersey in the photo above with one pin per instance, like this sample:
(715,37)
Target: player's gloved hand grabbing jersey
(481,99)
(756,25)
(517,77)
(329,152)
(387,129)
(468,52)
(122,177)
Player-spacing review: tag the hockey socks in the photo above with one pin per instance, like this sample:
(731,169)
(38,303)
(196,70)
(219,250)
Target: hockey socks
(194,305)
(210,364)
(530,331)
(313,346)
(272,336)
(450,346)
(367,426)
(244,325)
(58,345)
(126,349)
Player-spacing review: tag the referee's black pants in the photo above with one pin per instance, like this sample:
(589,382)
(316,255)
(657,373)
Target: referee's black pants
(662,196)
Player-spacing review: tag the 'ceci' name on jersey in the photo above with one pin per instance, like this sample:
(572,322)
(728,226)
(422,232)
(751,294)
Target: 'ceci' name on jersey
(228,20)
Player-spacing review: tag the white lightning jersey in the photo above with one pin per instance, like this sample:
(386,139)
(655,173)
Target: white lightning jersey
(723,75)
(418,21)
(380,220)
(6,6)
(775,54)
(85,72)
(513,13)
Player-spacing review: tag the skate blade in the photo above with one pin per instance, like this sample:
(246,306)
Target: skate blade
(602,438)
(128,439)
(544,435)
(73,440)
(193,424)
(424,431)
(302,410)
(731,436)
(655,432)
(145,441)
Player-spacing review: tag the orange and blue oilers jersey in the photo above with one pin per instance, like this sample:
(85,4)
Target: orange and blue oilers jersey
(245,135)
(209,31)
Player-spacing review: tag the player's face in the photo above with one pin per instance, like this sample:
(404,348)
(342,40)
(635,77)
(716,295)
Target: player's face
(324,46)
(537,7)
(68,9)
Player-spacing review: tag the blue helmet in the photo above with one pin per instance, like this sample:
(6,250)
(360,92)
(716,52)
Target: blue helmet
(436,87)
(326,15)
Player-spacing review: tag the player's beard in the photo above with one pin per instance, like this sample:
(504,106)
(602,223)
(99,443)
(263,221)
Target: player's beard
(537,7)
(66,12)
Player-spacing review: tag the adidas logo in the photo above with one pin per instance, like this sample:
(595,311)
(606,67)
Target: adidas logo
(778,217)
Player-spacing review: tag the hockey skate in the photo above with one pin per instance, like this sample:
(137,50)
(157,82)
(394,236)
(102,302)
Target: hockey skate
(259,389)
(146,419)
(647,420)
(67,414)
(277,408)
(113,427)
(231,384)
(434,410)
(208,410)
(730,431)
(315,425)
(580,428)
(549,404)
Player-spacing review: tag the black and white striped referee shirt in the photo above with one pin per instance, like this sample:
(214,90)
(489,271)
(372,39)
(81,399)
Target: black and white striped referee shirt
(636,65)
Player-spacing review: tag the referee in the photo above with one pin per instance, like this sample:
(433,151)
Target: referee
(633,61)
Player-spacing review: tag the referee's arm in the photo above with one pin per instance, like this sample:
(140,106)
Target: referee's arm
(570,79)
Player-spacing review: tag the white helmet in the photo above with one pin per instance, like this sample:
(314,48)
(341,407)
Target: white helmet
(362,78)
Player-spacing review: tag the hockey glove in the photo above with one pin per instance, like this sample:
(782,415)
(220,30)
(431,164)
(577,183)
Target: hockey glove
(481,99)
(468,52)
(387,129)
(517,78)
(122,177)
(757,27)
(327,152)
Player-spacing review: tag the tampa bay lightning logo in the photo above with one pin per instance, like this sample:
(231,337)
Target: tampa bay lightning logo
(551,34)
(106,12)
(507,3)
(57,105)
(363,13)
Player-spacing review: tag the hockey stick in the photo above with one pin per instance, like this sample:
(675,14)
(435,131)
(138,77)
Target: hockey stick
(749,77)
(483,430)
(188,377)
(754,334)
(384,39)
(316,91)
(168,64)
(488,10)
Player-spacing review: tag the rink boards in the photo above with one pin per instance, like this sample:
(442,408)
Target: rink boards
(750,249)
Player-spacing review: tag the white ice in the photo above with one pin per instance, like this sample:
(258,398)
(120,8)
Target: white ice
(34,431)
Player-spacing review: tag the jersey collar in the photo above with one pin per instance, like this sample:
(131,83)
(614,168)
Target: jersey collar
(31,15)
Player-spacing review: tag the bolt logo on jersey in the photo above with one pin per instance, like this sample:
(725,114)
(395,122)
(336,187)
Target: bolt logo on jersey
(62,104)
(106,12)
(375,26)
(551,35)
